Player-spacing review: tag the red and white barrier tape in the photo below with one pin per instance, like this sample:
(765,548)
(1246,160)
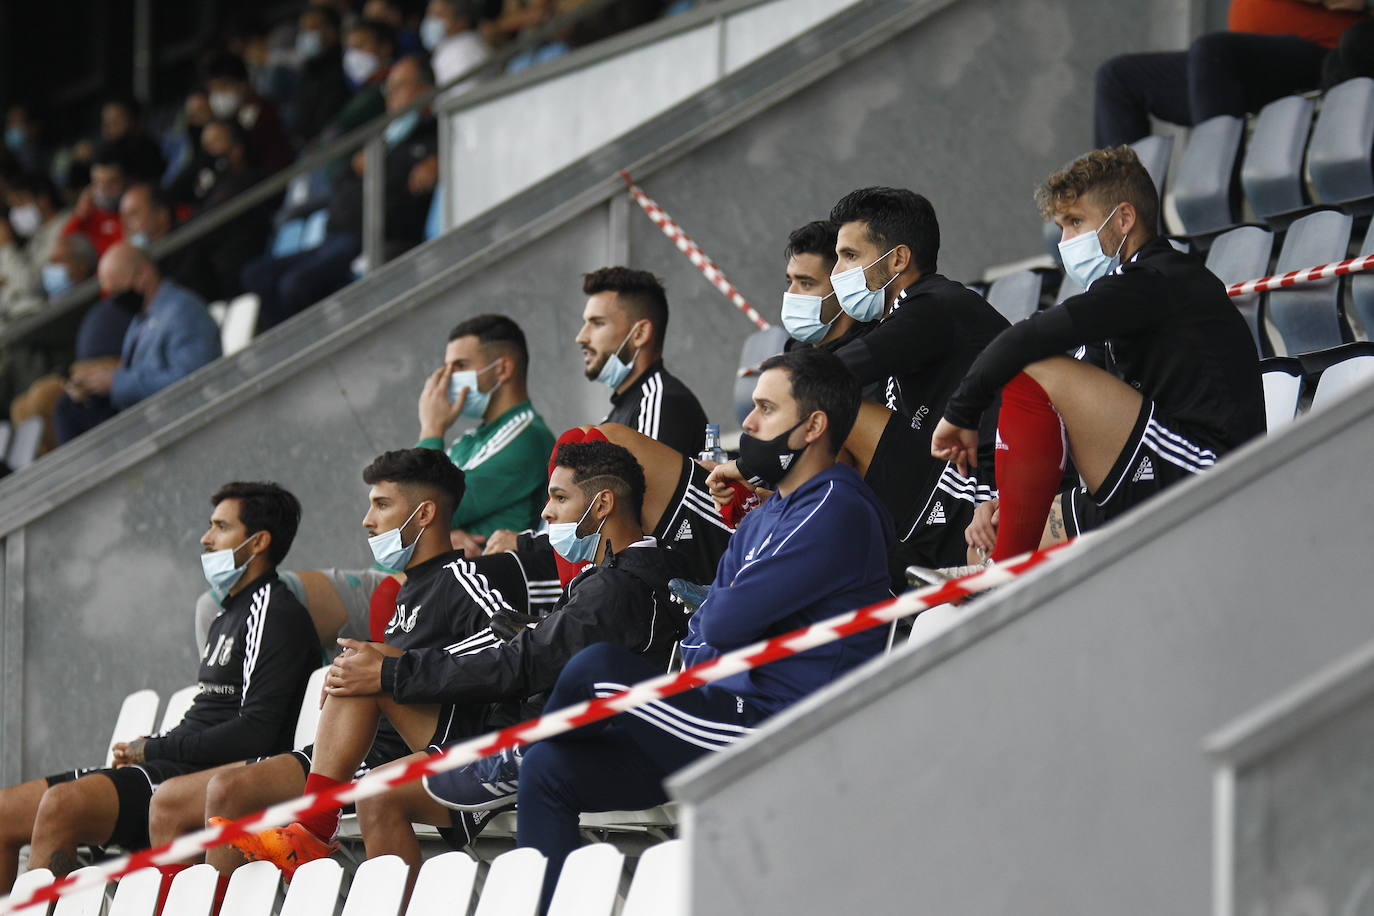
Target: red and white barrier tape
(557,722)
(1308,275)
(693,251)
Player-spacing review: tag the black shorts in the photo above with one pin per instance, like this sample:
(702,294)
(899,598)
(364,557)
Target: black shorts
(935,538)
(1158,455)
(134,786)
(691,526)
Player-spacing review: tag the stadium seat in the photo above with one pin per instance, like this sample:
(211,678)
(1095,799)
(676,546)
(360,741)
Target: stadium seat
(309,716)
(444,885)
(314,889)
(1272,174)
(1282,377)
(136,894)
(1204,186)
(589,882)
(1362,290)
(89,901)
(932,622)
(6,432)
(1239,255)
(1154,152)
(660,883)
(1307,316)
(1341,378)
(217,310)
(240,319)
(193,891)
(1338,157)
(378,886)
(512,885)
(26,884)
(1067,287)
(1016,296)
(758,346)
(252,890)
(137,716)
(24,443)
(177,706)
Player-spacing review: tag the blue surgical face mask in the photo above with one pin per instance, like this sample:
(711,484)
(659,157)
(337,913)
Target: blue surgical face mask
(1083,257)
(387,549)
(432,32)
(309,44)
(399,129)
(14,137)
(858,301)
(139,240)
(475,407)
(801,316)
(220,570)
(56,280)
(615,370)
(359,65)
(563,538)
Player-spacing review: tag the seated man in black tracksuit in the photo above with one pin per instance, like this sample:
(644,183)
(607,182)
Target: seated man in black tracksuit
(253,669)
(595,495)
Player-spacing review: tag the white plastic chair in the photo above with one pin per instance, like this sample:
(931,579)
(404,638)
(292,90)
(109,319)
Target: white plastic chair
(136,894)
(932,622)
(513,884)
(88,901)
(589,882)
(217,311)
(24,443)
(26,884)
(314,889)
(193,891)
(308,719)
(1341,379)
(378,886)
(240,319)
(660,883)
(252,890)
(137,715)
(177,706)
(1281,391)
(444,885)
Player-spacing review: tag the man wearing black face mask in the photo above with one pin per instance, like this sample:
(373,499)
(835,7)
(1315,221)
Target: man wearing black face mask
(170,337)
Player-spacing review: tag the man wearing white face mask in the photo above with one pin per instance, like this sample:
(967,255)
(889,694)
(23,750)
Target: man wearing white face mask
(811,311)
(253,670)
(506,456)
(232,98)
(1170,384)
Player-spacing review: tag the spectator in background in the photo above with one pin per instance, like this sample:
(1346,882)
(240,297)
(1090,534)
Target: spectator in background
(20,290)
(321,90)
(232,98)
(72,261)
(390,12)
(22,140)
(146,215)
(449,31)
(171,335)
(287,285)
(121,129)
(36,217)
(1273,48)
(96,214)
(188,160)
(369,51)
(221,255)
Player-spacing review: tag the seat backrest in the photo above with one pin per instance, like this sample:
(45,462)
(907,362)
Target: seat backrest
(513,884)
(659,887)
(1239,255)
(1282,389)
(6,432)
(217,310)
(136,894)
(1068,287)
(193,891)
(1016,296)
(88,901)
(1154,152)
(1307,315)
(1338,157)
(758,346)
(26,884)
(240,320)
(588,884)
(1341,379)
(252,890)
(177,706)
(1203,188)
(24,443)
(378,886)
(444,885)
(314,889)
(309,718)
(137,716)
(1362,289)
(1272,173)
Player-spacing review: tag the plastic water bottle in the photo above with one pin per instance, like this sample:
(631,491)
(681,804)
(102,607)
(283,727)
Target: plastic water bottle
(713,451)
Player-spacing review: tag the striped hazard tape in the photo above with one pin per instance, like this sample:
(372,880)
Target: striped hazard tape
(1307,275)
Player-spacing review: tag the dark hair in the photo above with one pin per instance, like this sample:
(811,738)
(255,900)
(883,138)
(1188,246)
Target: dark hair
(423,65)
(895,216)
(640,290)
(110,153)
(237,135)
(221,65)
(265,507)
(36,184)
(821,382)
(1108,176)
(382,32)
(329,14)
(422,467)
(816,237)
(130,105)
(158,199)
(600,466)
(498,331)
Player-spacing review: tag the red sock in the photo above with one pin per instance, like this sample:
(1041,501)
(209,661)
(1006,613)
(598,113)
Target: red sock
(221,885)
(323,824)
(169,872)
(1030,465)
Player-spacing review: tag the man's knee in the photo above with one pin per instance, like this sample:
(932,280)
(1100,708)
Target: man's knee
(16,815)
(381,810)
(68,804)
(224,789)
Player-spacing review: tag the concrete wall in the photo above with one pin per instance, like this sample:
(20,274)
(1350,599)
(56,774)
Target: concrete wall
(1046,756)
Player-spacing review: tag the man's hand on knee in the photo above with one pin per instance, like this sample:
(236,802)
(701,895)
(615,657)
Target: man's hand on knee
(954,443)
(981,534)
(358,670)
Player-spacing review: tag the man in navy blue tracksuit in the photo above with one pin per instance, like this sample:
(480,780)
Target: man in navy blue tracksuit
(815,549)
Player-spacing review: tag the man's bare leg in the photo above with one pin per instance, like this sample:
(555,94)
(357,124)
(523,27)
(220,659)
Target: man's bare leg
(18,808)
(178,805)
(348,726)
(1099,412)
(70,814)
(232,792)
(981,533)
(385,822)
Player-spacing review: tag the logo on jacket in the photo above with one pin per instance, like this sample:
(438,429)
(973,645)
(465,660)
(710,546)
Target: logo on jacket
(684,531)
(937,514)
(402,620)
(219,655)
(1146,471)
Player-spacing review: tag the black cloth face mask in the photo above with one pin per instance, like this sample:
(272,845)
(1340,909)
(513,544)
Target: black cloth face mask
(768,460)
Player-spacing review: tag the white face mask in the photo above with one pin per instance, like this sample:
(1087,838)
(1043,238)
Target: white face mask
(359,65)
(801,316)
(26,219)
(857,300)
(1084,259)
(225,104)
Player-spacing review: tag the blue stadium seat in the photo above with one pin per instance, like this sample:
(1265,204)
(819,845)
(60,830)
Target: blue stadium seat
(758,346)
(1016,296)
(1362,290)
(1272,173)
(1204,185)
(1307,316)
(1338,158)
(1239,255)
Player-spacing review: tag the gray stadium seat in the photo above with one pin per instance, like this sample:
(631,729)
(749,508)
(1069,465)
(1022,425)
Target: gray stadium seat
(1154,152)
(1339,370)
(1067,287)
(5,432)
(1282,378)
(1204,188)
(1338,158)
(758,346)
(24,443)
(1016,296)
(1272,173)
(1362,290)
(1307,316)
(1239,255)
